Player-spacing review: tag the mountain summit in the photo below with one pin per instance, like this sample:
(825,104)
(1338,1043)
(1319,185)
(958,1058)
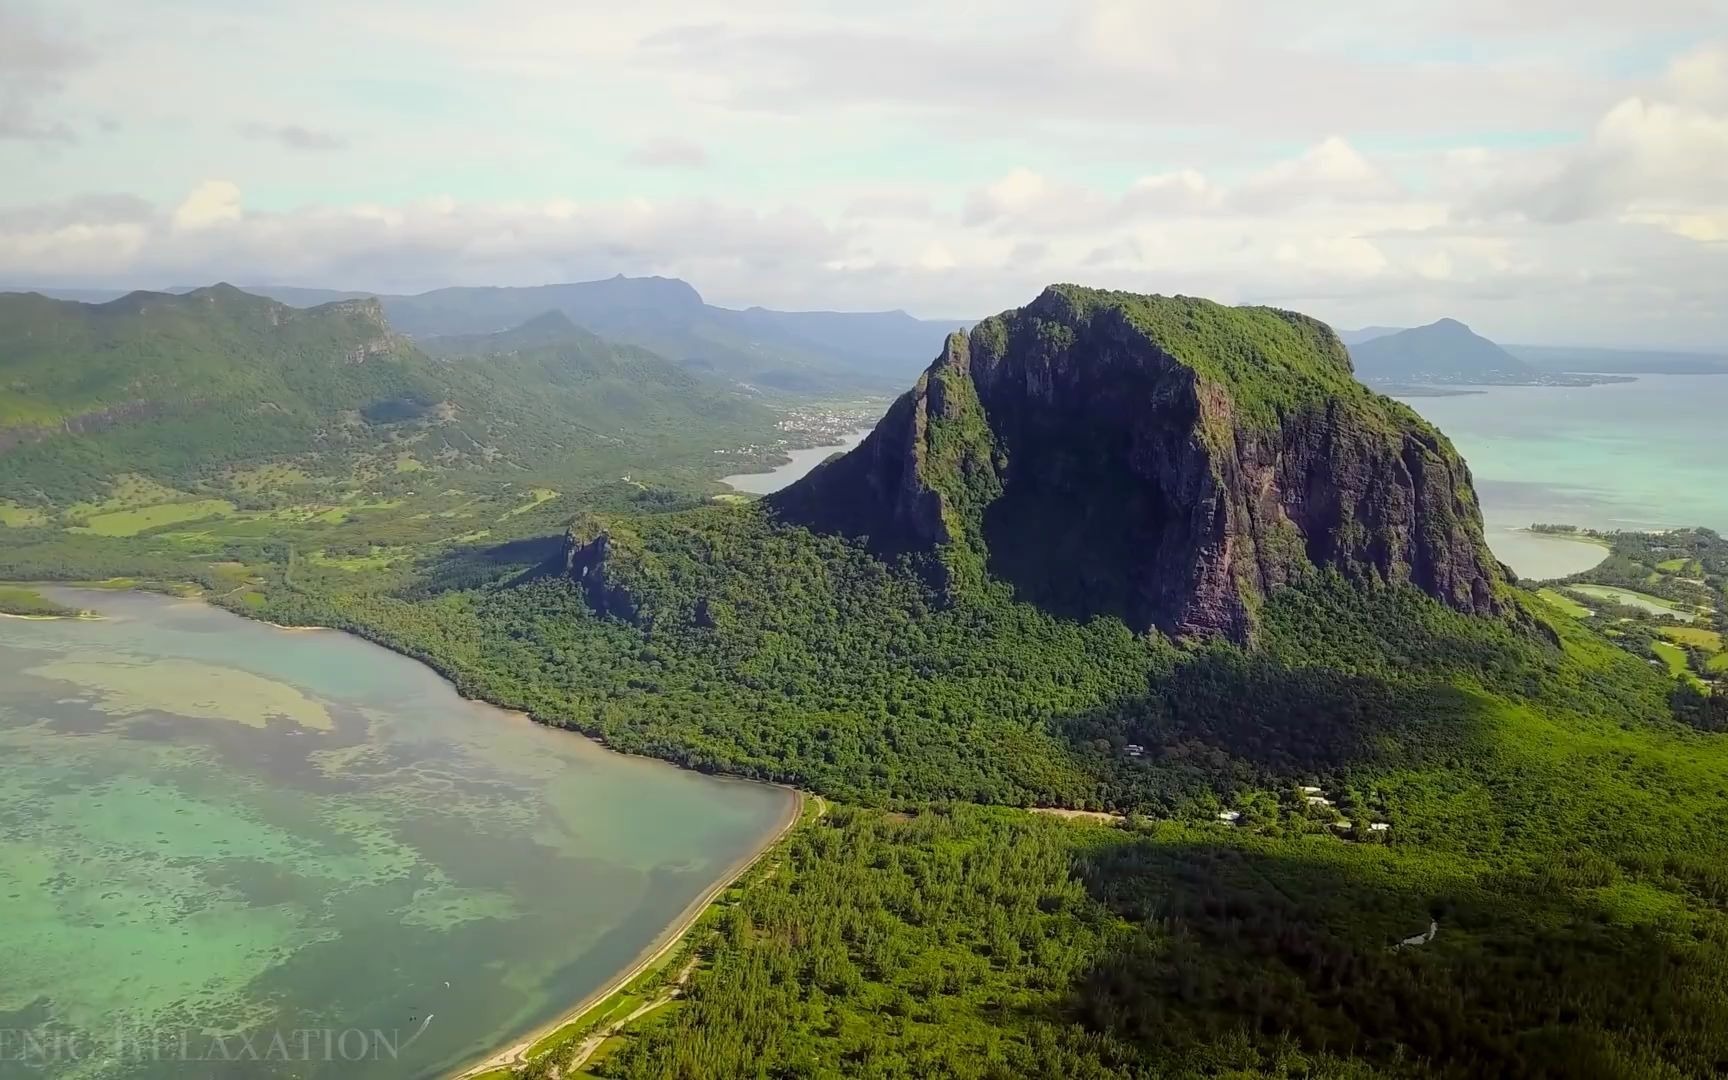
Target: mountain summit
(1443,351)
(1165,459)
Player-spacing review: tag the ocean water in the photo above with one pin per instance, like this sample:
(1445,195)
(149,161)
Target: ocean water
(228,850)
(1640,455)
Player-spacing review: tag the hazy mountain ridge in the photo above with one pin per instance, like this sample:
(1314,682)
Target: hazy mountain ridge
(810,353)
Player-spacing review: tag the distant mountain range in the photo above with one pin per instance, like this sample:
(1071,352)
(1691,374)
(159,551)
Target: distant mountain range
(1448,352)
(801,352)
(807,353)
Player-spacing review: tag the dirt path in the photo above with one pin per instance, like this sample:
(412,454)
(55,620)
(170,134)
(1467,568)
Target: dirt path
(1079,815)
(592,1043)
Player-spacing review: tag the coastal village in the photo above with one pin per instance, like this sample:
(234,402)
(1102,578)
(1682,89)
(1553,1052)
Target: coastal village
(810,426)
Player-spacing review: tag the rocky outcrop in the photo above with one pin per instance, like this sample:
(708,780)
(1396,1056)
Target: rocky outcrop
(589,554)
(1167,460)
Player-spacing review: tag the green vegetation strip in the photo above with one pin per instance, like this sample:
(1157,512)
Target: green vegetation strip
(1565,603)
(25,601)
(1655,605)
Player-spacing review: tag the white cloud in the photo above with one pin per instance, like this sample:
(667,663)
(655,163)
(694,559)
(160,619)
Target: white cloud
(210,235)
(1659,160)
(34,62)
(214,202)
(669,153)
(1700,76)
(294,136)
(1330,171)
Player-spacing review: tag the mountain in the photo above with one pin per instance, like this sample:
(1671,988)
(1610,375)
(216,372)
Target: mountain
(1449,353)
(1166,460)
(596,385)
(1367,333)
(183,389)
(807,353)
(245,372)
(1446,351)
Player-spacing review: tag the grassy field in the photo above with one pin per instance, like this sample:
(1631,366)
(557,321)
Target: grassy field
(274,477)
(134,521)
(1565,603)
(1708,640)
(538,496)
(13,516)
(1679,566)
(1627,597)
(378,559)
(1672,655)
(23,600)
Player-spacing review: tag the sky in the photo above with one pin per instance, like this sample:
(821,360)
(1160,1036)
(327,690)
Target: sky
(1546,170)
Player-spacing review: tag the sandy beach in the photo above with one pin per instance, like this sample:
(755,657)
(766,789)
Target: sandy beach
(516,1053)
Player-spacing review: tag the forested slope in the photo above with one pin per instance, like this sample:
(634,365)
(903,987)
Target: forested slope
(185,390)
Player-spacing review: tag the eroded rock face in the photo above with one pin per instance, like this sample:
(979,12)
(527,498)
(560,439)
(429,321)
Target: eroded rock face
(588,560)
(1167,460)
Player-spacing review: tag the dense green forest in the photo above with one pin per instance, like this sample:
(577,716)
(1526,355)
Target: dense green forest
(966,942)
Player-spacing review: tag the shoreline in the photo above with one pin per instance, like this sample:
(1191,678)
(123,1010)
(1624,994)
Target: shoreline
(1577,536)
(663,942)
(847,443)
(516,1053)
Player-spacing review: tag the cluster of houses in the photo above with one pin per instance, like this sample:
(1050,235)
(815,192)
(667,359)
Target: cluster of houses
(1315,797)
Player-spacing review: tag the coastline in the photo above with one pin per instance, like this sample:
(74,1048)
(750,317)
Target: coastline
(516,1053)
(664,942)
(753,483)
(1578,536)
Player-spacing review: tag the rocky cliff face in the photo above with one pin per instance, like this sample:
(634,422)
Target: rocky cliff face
(1168,460)
(591,559)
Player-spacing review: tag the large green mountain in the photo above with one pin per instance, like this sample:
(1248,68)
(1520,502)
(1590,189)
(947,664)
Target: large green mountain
(1166,460)
(183,390)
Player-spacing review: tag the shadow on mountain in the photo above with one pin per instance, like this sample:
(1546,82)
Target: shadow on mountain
(1228,716)
(1253,961)
(1070,553)
(473,567)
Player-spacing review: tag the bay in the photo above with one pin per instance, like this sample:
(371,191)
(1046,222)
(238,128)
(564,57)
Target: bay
(766,483)
(219,837)
(1638,455)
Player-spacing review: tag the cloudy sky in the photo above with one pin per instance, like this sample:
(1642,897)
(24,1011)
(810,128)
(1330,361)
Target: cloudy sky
(1548,170)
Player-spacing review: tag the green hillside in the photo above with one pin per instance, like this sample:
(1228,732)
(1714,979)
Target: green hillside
(190,395)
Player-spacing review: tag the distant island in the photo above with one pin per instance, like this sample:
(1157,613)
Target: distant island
(1447,353)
